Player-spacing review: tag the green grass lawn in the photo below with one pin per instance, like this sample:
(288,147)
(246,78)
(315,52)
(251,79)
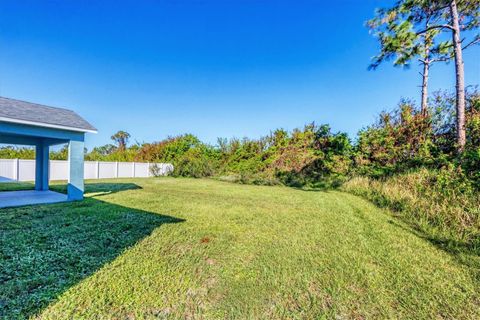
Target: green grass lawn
(186,248)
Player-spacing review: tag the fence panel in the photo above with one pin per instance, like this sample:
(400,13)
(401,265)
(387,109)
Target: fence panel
(58,170)
(142,170)
(8,169)
(90,170)
(125,170)
(164,169)
(107,170)
(24,170)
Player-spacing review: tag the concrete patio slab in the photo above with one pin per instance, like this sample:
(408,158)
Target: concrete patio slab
(29,197)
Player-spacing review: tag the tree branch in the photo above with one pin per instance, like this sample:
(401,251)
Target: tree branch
(443,59)
(473,42)
(440,26)
(441,8)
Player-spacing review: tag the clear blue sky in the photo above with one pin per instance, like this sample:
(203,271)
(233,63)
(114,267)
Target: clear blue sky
(212,68)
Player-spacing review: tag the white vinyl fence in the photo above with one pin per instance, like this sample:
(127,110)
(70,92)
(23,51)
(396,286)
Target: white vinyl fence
(24,170)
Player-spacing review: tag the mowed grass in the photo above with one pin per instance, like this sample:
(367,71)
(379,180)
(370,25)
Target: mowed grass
(204,249)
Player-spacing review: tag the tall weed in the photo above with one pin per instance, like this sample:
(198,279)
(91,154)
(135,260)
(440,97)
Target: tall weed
(442,203)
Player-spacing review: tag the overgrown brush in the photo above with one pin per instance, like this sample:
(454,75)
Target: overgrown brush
(443,204)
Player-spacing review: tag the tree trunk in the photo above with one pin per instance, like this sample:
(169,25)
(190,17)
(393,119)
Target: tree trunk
(459,77)
(428,42)
(426,68)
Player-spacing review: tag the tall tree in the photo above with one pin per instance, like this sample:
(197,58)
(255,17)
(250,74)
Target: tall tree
(459,75)
(458,17)
(469,15)
(402,27)
(395,29)
(121,138)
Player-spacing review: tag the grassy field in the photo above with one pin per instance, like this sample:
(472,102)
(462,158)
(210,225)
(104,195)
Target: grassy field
(185,248)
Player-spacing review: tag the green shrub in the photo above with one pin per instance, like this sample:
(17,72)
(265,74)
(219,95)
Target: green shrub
(400,140)
(471,157)
(195,163)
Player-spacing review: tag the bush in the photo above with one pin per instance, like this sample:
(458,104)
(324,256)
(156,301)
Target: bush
(471,158)
(195,163)
(157,171)
(400,140)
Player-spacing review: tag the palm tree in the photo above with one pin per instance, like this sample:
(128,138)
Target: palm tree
(121,139)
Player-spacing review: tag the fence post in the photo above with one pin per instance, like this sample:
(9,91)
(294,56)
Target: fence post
(116,169)
(16,174)
(97,170)
(133,168)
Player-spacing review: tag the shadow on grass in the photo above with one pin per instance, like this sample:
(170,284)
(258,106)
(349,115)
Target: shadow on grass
(99,188)
(16,186)
(44,250)
(61,186)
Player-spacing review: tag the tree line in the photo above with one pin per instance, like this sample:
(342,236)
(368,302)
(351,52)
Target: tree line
(402,139)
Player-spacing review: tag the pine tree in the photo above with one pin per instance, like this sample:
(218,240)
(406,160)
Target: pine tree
(410,29)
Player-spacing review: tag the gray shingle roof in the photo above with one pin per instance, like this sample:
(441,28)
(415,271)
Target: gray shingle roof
(37,114)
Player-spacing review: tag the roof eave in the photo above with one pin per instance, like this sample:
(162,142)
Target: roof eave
(47,125)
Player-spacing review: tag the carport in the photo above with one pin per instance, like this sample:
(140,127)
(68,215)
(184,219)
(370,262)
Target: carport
(41,126)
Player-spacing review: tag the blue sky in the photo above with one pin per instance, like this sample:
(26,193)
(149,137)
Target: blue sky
(211,68)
